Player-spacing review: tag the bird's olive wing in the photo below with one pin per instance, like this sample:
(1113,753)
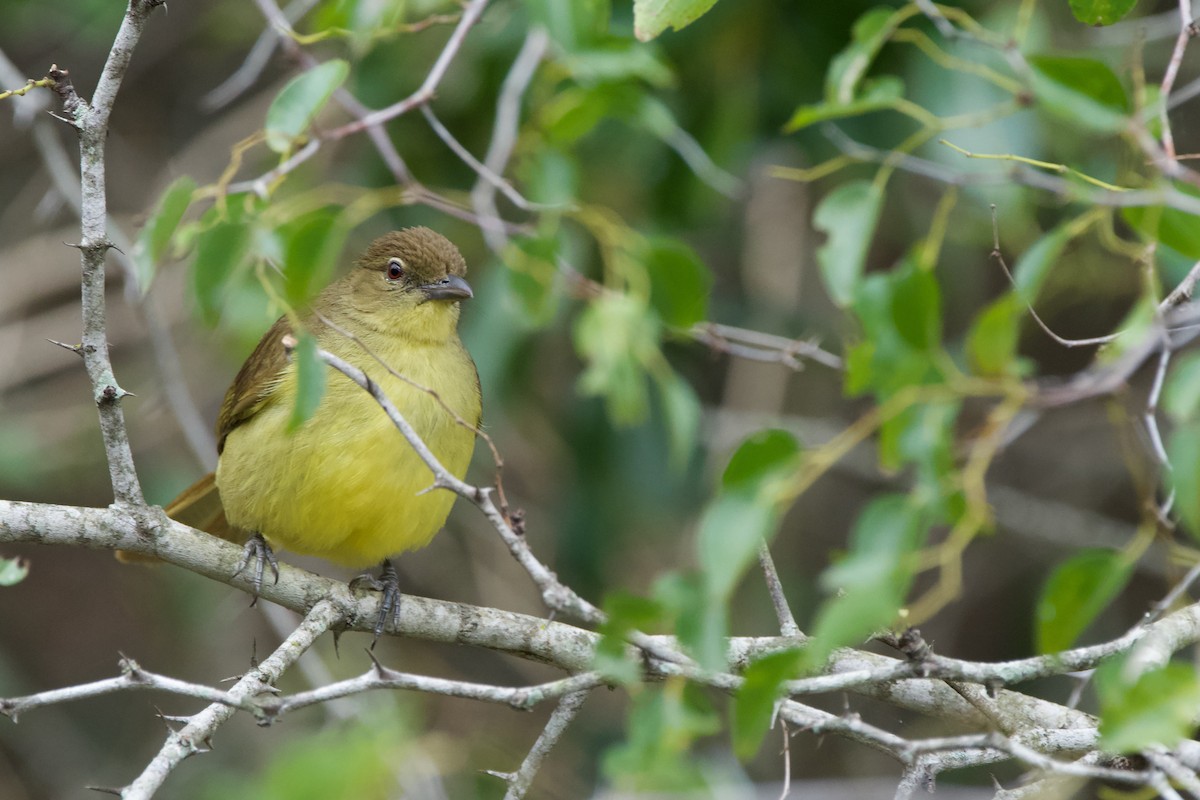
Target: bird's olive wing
(255,382)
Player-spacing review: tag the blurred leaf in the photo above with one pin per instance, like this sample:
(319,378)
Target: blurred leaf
(552,177)
(847,68)
(312,245)
(1081,91)
(220,251)
(872,580)
(1137,324)
(1176,229)
(652,17)
(1101,12)
(156,234)
(351,761)
(663,723)
(1075,593)
(730,532)
(532,278)
(619,60)
(310,381)
(760,457)
(294,109)
(699,623)
(13,571)
(877,95)
(1183,449)
(887,361)
(626,612)
(1031,269)
(917,308)
(992,341)
(681,410)
(576,110)
(573,25)
(617,336)
(1181,395)
(923,435)
(848,216)
(679,282)
(744,513)
(1158,709)
(755,701)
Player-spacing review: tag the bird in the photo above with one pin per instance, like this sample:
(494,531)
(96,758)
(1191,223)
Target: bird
(346,486)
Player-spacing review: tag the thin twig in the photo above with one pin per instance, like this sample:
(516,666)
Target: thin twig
(504,130)
(193,737)
(471,14)
(759,346)
(783,612)
(520,781)
(1186,31)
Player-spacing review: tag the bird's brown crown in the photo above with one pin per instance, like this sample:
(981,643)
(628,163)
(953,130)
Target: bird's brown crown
(425,255)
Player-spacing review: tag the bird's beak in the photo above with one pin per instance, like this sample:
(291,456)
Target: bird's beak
(452,287)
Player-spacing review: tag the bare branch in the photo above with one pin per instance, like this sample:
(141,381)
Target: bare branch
(520,781)
(262,678)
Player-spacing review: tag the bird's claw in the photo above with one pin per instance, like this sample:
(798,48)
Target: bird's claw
(260,552)
(388,583)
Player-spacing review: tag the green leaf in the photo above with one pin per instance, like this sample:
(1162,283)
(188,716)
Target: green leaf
(700,623)
(575,25)
(297,105)
(759,457)
(617,336)
(730,531)
(533,277)
(1181,395)
(992,341)
(1075,593)
(917,308)
(681,411)
(1183,449)
(626,612)
(664,721)
(652,17)
(1176,229)
(1081,91)
(871,582)
(312,245)
(877,94)
(679,282)
(13,571)
(619,60)
(1101,12)
(1031,269)
(310,381)
(1158,709)
(848,216)
(847,68)
(220,252)
(755,702)
(156,234)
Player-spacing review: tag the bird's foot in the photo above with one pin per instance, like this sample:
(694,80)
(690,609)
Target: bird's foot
(388,583)
(260,552)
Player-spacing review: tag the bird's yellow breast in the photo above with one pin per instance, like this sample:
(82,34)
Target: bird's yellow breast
(345,486)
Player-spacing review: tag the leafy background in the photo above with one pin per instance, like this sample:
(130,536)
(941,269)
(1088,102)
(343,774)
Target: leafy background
(615,425)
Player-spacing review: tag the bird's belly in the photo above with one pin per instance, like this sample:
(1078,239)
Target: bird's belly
(345,486)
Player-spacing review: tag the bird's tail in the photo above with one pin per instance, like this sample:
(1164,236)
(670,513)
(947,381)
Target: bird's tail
(198,506)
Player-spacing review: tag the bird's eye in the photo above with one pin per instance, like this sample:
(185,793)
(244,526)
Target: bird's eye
(395,269)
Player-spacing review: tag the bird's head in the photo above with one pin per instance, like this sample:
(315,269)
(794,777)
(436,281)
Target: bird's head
(411,281)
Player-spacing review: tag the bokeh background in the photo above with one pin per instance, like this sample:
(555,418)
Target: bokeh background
(606,504)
